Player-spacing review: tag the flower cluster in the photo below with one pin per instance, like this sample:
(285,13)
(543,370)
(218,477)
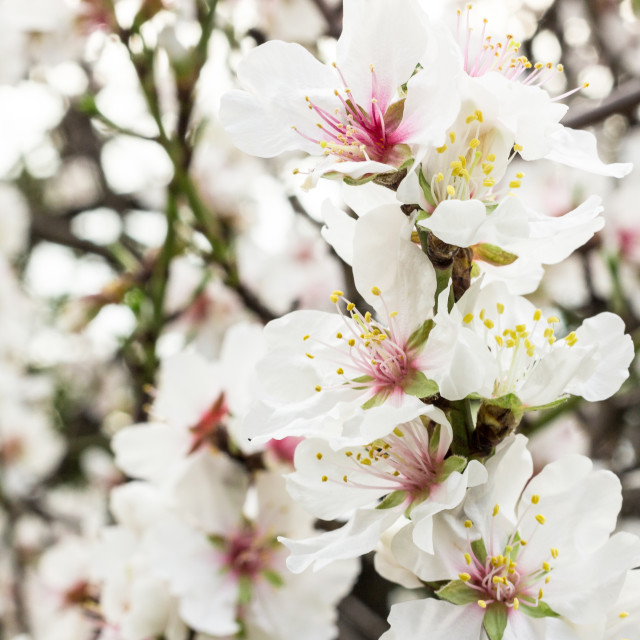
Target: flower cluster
(408,395)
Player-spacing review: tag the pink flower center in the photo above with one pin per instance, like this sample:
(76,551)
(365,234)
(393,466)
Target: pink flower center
(359,132)
(247,554)
(377,354)
(508,577)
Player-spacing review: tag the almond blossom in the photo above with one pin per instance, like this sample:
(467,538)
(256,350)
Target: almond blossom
(365,113)
(523,558)
(351,377)
(405,473)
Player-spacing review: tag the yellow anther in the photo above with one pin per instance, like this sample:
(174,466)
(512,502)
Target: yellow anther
(318,387)
(546,566)
(571,339)
(441,149)
(500,308)
(481,314)
(521,328)
(474,143)
(296,172)
(467,558)
(554,553)
(548,332)
(516,604)
(319,455)
(439,177)
(334,299)
(305,338)
(339,371)
(309,356)
(468,318)
(487,168)
(393,314)
(623,614)
(540,518)
(398,432)
(515,184)
(496,510)
(367,316)
(482,603)
(523,543)
(339,335)
(551,340)
(351,342)
(499,341)
(491,157)
(338,293)
(488,182)
(344,478)
(553,319)
(464,577)
(366,462)
(535,498)
(375,291)
(560,68)
(520,175)
(517,147)
(468,524)
(452,136)
(488,323)
(351,306)
(540,594)
(547,580)
(510,344)
(478,115)
(348,453)
(324,478)
(537,314)
(450,190)
(470,119)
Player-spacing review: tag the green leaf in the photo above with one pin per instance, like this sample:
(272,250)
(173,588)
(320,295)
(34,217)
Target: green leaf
(272,577)
(543,610)
(420,386)
(245,588)
(426,188)
(420,335)
(495,621)
(458,592)
(375,401)
(493,255)
(393,500)
(451,464)
(479,550)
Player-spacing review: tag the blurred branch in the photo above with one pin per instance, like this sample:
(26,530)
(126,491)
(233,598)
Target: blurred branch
(332,15)
(622,100)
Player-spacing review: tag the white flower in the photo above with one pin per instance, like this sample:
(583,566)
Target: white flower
(532,363)
(195,402)
(524,558)
(350,377)
(405,472)
(221,558)
(353,112)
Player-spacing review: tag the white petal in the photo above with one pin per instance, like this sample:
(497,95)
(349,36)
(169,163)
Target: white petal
(339,230)
(578,149)
(458,222)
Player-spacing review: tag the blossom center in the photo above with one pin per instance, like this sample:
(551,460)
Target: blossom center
(358,132)
(246,554)
(377,354)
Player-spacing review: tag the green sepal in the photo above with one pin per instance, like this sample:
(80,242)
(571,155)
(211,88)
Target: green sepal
(549,405)
(420,386)
(420,335)
(434,440)
(509,401)
(245,589)
(394,114)
(422,215)
(361,379)
(543,610)
(217,541)
(375,401)
(451,464)
(475,270)
(272,577)
(495,621)
(426,188)
(352,182)
(493,255)
(393,500)
(479,550)
(492,207)
(458,592)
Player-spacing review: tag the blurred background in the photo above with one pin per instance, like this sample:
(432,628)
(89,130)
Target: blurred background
(130,228)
